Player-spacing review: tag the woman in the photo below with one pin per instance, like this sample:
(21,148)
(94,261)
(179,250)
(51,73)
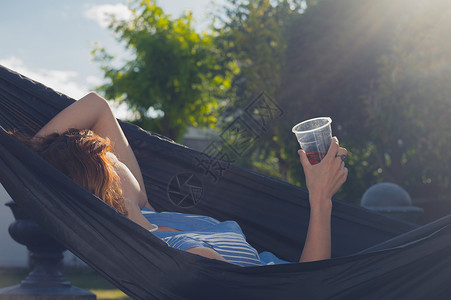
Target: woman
(85,142)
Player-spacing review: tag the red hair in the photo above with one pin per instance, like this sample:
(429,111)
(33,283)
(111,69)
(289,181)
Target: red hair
(83,156)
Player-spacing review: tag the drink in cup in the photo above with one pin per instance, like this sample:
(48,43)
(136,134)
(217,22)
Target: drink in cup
(314,136)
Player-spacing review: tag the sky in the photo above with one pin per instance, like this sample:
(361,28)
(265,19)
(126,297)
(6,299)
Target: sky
(51,41)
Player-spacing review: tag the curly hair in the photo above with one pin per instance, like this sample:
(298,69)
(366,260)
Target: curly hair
(83,156)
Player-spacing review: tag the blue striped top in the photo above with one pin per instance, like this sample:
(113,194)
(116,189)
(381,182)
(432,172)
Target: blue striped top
(226,238)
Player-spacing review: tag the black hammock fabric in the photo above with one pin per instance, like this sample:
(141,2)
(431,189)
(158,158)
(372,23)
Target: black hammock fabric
(374,256)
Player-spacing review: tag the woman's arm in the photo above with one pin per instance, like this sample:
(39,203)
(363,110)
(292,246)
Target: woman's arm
(323,181)
(93,112)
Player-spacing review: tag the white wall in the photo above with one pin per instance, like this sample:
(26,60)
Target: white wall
(13,254)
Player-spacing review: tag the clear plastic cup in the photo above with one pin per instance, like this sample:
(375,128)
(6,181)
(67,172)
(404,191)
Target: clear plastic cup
(314,136)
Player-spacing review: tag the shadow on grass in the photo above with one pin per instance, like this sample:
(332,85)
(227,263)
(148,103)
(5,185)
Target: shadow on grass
(82,278)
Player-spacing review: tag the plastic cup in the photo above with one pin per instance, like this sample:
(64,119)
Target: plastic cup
(314,136)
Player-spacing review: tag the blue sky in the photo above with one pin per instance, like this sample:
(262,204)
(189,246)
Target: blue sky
(51,40)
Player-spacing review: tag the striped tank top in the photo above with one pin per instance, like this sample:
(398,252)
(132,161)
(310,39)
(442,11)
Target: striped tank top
(226,238)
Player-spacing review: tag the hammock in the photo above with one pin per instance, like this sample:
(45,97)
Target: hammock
(374,256)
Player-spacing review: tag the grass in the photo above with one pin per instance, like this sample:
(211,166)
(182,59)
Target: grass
(85,279)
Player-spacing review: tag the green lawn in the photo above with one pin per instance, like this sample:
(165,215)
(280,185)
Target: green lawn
(85,279)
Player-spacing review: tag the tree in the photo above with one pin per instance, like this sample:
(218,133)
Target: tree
(172,72)
(253,39)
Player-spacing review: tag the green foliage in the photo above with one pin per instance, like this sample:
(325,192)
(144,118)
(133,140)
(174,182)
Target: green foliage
(172,71)
(253,37)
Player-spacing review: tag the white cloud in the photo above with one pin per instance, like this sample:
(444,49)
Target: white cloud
(94,81)
(102,13)
(64,81)
(122,111)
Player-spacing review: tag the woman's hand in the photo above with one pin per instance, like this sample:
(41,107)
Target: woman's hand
(324,179)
